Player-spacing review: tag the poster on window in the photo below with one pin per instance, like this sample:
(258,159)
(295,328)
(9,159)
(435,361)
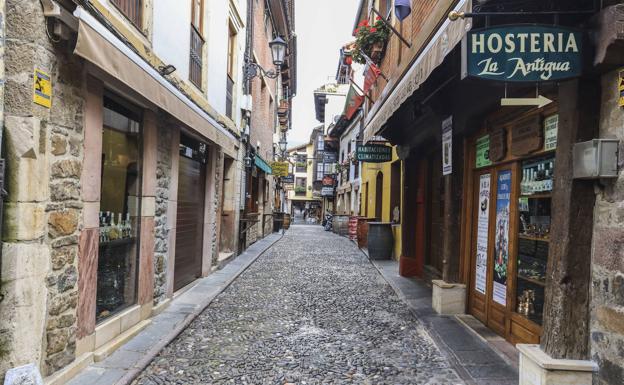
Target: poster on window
(447,146)
(482,233)
(501,240)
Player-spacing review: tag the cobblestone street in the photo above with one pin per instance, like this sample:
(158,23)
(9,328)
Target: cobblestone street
(311,310)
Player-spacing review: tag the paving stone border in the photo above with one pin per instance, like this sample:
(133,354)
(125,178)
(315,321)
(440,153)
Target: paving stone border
(123,366)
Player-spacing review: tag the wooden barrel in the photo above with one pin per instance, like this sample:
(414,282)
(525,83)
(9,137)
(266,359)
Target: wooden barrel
(362,231)
(340,225)
(353,224)
(286,223)
(380,240)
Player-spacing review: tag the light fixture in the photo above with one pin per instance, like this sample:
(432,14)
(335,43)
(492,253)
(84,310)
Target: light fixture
(247,160)
(167,70)
(278,51)
(282,145)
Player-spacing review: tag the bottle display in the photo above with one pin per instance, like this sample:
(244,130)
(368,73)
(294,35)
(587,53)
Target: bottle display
(111,230)
(533,237)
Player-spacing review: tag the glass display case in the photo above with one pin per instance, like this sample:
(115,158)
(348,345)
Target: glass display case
(534,208)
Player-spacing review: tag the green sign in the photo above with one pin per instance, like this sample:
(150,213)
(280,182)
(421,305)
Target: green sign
(374,153)
(524,53)
(483,151)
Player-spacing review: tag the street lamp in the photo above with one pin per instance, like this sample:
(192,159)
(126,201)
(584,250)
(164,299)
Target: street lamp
(278,52)
(282,145)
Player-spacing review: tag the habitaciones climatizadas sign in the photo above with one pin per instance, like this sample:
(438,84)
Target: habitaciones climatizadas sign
(524,53)
(374,153)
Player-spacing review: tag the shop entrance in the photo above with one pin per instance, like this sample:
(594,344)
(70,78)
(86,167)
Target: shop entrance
(190,219)
(492,244)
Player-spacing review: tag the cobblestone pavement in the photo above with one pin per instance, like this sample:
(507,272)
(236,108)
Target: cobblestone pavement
(311,310)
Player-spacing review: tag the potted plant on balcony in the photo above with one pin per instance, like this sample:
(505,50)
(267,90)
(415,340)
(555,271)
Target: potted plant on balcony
(370,40)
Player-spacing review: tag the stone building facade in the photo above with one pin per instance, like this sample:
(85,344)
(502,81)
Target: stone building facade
(50,270)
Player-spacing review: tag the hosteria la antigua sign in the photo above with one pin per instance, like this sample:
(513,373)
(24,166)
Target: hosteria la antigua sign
(530,53)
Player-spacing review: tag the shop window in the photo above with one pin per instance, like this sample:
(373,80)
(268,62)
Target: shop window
(120,205)
(534,237)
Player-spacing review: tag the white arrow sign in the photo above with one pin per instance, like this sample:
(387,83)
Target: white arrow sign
(540,101)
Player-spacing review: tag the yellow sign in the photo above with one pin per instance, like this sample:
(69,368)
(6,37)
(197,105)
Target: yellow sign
(280,168)
(621,87)
(42,87)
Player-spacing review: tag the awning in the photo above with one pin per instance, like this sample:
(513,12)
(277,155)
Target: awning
(101,47)
(262,165)
(445,39)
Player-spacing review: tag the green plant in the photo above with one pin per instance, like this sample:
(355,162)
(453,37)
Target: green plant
(369,38)
(300,189)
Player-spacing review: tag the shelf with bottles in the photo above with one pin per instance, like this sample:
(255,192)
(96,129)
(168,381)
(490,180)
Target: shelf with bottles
(537,176)
(111,231)
(530,300)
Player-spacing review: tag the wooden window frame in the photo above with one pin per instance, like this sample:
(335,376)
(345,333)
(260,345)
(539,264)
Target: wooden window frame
(123,7)
(200,27)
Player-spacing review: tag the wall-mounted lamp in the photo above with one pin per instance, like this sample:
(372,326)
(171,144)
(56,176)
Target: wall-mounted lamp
(278,52)
(167,70)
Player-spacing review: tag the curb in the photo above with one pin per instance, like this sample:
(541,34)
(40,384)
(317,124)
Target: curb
(138,368)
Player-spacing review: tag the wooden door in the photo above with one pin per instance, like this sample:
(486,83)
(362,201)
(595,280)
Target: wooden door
(492,245)
(190,219)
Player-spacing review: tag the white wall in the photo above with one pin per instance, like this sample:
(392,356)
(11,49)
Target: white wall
(172,34)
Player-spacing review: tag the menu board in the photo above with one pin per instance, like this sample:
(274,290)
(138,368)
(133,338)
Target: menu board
(483,151)
(501,241)
(482,233)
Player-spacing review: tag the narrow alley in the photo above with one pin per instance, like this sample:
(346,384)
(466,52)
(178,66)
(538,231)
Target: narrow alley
(310,310)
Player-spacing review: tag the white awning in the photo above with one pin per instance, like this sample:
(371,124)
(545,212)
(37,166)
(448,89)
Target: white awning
(101,47)
(445,39)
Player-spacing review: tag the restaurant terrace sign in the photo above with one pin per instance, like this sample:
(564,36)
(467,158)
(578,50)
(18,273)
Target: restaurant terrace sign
(524,53)
(374,153)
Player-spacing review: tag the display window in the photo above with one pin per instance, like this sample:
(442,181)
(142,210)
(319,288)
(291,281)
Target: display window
(513,164)
(120,208)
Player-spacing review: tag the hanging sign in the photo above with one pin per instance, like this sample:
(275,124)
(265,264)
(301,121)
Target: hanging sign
(288,179)
(327,191)
(621,87)
(42,89)
(328,181)
(483,151)
(551,125)
(330,157)
(374,153)
(447,146)
(524,53)
(482,233)
(501,240)
(280,168)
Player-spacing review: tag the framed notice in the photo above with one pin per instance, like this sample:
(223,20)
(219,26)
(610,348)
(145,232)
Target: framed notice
(483,151)
(447,146)
(482,233)
(42,89)
(501,240)
(551,124)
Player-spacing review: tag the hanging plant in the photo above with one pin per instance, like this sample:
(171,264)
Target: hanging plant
(370,40)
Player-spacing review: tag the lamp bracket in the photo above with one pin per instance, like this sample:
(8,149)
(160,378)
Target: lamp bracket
(252,70)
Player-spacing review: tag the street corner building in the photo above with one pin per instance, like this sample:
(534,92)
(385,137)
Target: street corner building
(124,176)
(486,135)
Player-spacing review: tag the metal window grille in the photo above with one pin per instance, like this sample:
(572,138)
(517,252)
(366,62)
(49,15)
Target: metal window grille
(132,9)
(197,45)
(229,97)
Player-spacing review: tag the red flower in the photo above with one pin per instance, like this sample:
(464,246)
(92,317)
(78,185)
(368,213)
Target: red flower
(372,30)
(378,18)
(365,22)
(356,31)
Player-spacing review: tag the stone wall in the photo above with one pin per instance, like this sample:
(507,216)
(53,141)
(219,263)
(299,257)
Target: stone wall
(163,183)
(607,306)
(43,211)
(217,206)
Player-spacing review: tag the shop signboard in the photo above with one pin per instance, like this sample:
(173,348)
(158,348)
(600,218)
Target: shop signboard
(374,153)
(483,151)
(621,87)
(280,168)
(482,233)
(501,240)
(447,146)
(42,89)
(328,180)
(330,157)
(524,53)
(327,191)
(551,125)
(288,179)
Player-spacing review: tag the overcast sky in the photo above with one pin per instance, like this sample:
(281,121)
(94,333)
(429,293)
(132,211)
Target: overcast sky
(322,27)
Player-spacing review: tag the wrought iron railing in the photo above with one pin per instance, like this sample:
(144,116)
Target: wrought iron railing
(197,46)
(132,9)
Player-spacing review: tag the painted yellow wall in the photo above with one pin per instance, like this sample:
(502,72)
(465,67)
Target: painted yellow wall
(369,175)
